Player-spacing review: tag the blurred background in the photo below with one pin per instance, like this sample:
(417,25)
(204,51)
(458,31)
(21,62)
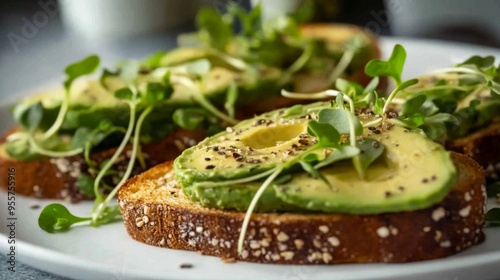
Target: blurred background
(40,37)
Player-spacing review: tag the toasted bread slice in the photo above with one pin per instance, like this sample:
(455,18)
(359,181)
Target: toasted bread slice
(482,146)
(56,178)
(156,212)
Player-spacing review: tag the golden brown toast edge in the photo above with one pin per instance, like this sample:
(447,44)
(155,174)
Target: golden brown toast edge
(156,212)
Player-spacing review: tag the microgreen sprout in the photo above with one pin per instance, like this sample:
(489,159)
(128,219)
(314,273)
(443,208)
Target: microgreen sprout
(73,72)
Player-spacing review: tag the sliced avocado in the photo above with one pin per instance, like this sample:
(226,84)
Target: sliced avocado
(251,147)
(239,198)
(413,173)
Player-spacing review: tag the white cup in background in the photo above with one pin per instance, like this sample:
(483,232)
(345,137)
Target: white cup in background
(111,19)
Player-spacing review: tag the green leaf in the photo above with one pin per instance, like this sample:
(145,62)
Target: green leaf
(442,118)
(445,106)
(315,173)
(20,149)
(156,92)
(154,60)
(493,217)
(80,68)
(189,118)
(57,218)
(352,89)
(86,184)
(435,131)
(94,137)
(327,135)
(379,105)
(338,118)
(370,150)
(106,74)
(479,61)
(124,93)
(250,22)
(412,105)
(34,116)
(217,32)
(231,97)
(392,68)
(341,153)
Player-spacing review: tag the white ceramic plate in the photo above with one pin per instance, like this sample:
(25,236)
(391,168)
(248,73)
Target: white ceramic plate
(108,253)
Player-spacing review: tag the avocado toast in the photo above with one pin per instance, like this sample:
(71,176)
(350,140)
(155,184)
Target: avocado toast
(406,198)
(183,95)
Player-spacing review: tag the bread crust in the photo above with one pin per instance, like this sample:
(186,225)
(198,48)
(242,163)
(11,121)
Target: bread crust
(56,178)
(482,146)
(156,212)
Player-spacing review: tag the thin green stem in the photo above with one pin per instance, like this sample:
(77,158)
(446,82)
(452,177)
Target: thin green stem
(252,205)
(135,147)
(119,150)
(389,100)
(60,117)
(373,123)
(55,154)
(204,102)
(344,62)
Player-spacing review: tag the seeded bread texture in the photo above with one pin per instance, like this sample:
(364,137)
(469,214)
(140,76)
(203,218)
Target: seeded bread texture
(156,212)
(56,177)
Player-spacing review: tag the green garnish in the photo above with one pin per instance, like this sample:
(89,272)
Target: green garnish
(57,218)
(73,71)
(392,68)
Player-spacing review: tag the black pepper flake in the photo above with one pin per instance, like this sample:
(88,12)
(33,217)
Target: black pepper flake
(387,194)
(376,131)
(376,144)
(425,180)
(303,142)
(210,166)
(294,146)
(207,159)
(186,265)
(34,207)
(239,165)
(221,153)
(433,178)
(215,148)
(401,188)
(406,130)
(237,157)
